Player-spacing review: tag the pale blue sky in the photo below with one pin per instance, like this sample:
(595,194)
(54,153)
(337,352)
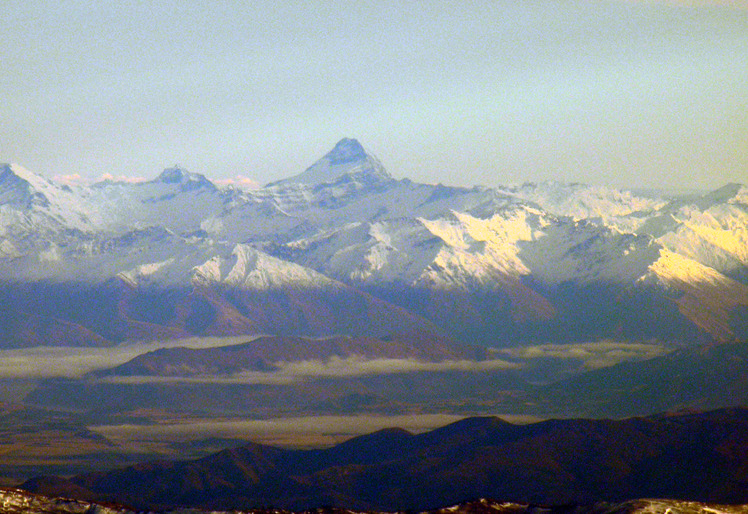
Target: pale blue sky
(492,92)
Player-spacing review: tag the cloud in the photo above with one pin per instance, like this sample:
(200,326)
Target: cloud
(594,355)
(44,362)
(356,365)
(121,178)
(335,367)
(48,362)
(240,181)
(73,179)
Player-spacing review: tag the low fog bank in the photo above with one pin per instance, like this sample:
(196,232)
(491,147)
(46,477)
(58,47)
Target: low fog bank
(49,362)
(53,362)
(592,355)
(334,367)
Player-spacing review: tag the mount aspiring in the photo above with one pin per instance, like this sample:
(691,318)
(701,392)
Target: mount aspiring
(346,249)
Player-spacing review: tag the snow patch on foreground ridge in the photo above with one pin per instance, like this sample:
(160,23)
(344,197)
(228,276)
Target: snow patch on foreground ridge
(16,501)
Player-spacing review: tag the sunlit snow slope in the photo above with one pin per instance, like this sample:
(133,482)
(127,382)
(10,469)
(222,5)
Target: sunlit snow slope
(502,266)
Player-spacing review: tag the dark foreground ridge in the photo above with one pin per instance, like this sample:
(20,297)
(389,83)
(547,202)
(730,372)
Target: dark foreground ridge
(685,456)
(16,501)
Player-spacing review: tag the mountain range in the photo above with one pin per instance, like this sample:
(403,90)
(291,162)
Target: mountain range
(689,456)
(412,373)
(343,291)
(346,249)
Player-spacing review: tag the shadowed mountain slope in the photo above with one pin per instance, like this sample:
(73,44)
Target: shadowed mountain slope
(264,353)
(691,456)
(704,378)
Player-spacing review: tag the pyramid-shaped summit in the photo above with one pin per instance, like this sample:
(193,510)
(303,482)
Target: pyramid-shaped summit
(346,150)
(186,180)
(348,157)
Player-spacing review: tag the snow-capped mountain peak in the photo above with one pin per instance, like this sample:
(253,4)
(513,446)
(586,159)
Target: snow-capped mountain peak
(347,158)
(19,184)
(185,179)
(346,150)
(51,205)
(20,173)
(510,253)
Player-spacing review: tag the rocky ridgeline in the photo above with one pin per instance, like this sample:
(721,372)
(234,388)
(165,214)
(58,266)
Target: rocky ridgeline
(16,501)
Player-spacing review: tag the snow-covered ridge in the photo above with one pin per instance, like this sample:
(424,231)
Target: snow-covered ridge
(398,232)
(346,220)
(581,201)
(707,297)
(249,268)
(44,201)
